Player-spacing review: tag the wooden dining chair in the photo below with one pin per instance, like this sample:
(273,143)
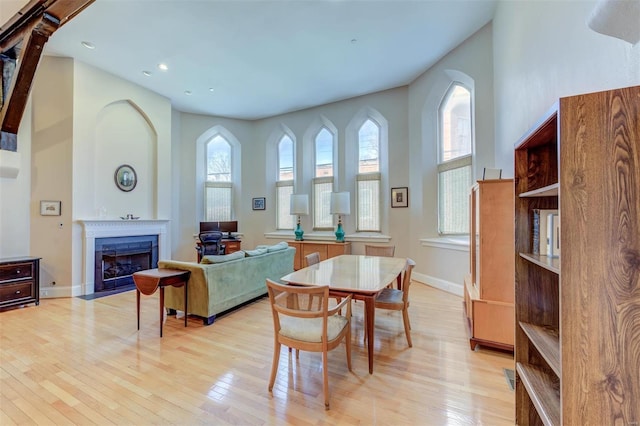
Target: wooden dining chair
(386,251)
(316,329)
(398,300)
(312,258)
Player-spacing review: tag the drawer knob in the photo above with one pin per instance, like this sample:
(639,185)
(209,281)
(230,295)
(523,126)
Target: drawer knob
(17,271)
(18,292)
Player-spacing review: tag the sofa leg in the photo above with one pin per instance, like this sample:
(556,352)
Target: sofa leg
(171,311)
(209,321)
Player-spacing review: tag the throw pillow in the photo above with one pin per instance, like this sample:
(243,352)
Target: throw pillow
(222,258)
(282,245)
(256,252)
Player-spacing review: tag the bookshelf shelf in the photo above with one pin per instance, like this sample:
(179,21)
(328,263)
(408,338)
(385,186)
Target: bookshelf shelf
(547,191)
(543,391)
(550,263)
(547,342)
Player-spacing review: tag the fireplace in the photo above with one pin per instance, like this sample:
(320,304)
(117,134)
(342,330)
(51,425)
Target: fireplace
(117,258)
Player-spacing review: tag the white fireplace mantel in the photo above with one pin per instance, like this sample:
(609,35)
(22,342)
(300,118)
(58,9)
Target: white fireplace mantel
(93,229)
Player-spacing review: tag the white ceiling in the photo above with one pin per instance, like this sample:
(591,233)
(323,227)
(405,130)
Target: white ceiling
(263,58)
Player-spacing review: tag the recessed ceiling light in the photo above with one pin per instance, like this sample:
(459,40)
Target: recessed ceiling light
(163,67)
(354,40)
(211,89)
(187,92)
(88,45)
(147,73)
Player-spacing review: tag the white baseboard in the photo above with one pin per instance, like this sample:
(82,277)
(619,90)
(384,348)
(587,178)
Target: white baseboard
(60,291)
(449,287)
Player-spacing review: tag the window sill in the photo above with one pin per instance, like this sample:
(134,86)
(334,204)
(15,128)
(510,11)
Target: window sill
(369,237)
(449,243)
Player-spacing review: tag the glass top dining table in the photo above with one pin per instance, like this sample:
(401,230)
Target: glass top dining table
(361,276)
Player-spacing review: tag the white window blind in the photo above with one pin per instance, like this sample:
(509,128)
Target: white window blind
(368,202)
(218,201)
(285,220)
(322,189)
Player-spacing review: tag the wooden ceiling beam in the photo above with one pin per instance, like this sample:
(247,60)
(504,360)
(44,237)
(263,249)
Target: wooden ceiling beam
(22,41)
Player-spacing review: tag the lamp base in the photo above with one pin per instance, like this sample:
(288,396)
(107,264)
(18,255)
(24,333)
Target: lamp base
(299,233)
(339,234)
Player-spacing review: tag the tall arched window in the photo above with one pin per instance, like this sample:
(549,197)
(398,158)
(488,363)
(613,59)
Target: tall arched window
(368,178)
(455,160)
(323,179)
(218,183)
(284,183)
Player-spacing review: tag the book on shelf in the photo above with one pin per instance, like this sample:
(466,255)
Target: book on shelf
(539,235)
(553,235)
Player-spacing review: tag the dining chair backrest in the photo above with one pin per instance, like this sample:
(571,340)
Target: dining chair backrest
(386,251)
(406,280)
(312,258)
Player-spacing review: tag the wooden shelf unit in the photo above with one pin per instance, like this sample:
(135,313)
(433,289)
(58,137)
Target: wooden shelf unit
(19,281)
(488,288)
(577,316)
(326,249)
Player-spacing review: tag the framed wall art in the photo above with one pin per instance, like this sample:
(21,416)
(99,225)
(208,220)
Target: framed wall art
(400,197)
(258,203)
(126,178)
(50,208)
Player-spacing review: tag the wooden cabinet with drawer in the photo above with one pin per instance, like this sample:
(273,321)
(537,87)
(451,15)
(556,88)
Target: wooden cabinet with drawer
(325,248)
(19,281)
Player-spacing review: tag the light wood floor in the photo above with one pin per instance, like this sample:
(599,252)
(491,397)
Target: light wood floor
(71,361)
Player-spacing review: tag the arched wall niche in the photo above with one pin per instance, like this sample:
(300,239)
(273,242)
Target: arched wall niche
(125,135)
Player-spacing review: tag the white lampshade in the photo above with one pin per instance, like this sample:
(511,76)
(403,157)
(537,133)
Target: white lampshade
(617,18)
(299,204)
(340,203)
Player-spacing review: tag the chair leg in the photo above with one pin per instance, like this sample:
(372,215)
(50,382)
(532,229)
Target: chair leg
(274,366)
(407,326)
(325,379)
(348,345)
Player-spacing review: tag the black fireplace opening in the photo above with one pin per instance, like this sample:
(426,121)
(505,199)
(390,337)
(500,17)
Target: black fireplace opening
(118,258)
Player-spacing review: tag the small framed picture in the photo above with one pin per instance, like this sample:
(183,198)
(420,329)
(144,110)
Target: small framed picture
(50,208)
(400,197)
(258,203)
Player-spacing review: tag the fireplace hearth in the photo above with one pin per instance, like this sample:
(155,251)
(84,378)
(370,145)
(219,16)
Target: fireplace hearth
(118,258)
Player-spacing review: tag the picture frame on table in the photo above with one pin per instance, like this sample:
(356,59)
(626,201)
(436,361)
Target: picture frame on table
(50,208)
(258,203)
(400,197)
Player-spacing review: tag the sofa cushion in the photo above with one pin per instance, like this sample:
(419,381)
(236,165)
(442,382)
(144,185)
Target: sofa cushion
(256,252)
(282,245)
(222,258)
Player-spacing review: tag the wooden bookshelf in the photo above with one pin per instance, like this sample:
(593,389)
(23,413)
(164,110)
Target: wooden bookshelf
(576,339)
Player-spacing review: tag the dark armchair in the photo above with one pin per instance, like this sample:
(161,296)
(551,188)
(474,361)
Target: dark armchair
(210,244)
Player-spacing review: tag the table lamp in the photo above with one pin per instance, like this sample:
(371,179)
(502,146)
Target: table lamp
(299,206)
(340,204)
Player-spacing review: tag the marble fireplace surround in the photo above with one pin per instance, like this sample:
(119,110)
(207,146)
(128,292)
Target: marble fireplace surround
(93,229)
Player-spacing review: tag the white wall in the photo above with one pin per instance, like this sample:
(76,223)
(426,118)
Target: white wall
(544,50)
(471,61)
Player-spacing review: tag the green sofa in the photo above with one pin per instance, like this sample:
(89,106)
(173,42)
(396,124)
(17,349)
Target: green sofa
(218,287)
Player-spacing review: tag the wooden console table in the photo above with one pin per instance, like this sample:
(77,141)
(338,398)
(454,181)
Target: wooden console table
(327,250)
(147,282)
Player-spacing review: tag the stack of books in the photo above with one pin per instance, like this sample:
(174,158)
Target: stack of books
(546,232)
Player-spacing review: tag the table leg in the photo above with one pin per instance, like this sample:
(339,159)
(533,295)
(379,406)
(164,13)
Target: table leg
(138,306)
(370,310)
(185,303)
(161,308)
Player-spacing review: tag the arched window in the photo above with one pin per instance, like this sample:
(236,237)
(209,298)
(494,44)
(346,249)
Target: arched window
(368,178)
(284,183)
(323,179)
(455,160)
(218,200)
